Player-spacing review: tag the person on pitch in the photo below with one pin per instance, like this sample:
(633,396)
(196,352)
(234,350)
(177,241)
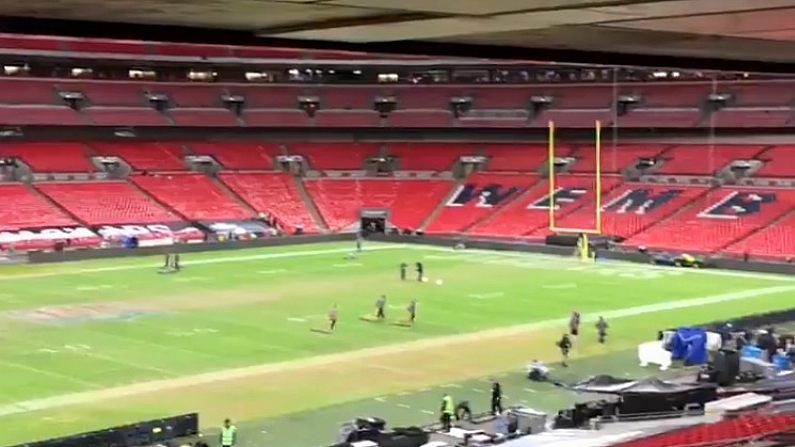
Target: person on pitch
(228,434)
(601,329)
(332,317)
(496,397)
(574,323)
(420,271)
(447,410)
(565,346)
(403,268)
(379,307)
(412,311)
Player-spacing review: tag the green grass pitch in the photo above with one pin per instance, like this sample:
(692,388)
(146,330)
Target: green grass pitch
(93,344)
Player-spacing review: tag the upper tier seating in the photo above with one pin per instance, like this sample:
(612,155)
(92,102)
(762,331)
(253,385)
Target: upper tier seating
(41,115)
(481,195)
(107,203)
(756,95)
(143,156)
(672,94)
(500,122)
(531,211)
(613,159)
(630,209)
(779,162)
(268,97)
(204,117)
(100,93)
(409,201)
(29,210)
(193,196)
(273,193)
(51,157)
(429,156)
(773,241)
(345,98)
(420,118)
(577,118)
(239,154)
(750,118)
(329,156)
(275,118)
(743,427)
(703,160)
(28,91)
(717,219)
(674,118)
(347,118)
(515,156)
(189,95)
(125,116)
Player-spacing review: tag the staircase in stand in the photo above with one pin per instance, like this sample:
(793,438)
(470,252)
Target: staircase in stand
(53,203)
(310,205)
(158,201)
(240,201)
(442,203)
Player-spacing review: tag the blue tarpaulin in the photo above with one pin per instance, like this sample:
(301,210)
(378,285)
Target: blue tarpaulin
(689,345)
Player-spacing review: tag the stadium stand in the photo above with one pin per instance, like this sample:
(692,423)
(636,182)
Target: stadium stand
(530,211)
(125,116)
(614,159)
(479,196)
(409,201)
(329,156)
(515,157)
(30,210)
(779,162)
(429,156)
(145,156)
(106,203)
(194,196)
(239,155)
(274,193)
(735,429)
(51,157)
(717,219)
(703,160)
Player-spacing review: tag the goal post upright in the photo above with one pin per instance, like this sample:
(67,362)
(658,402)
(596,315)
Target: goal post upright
(597,229)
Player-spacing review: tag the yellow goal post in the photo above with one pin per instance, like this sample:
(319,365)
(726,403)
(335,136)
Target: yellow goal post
(598,186)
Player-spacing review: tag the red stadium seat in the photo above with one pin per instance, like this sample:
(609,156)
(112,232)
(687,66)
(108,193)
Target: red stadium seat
(125,116)
(275,118)
(327,156)
(51,157)
(29,211)
(204,117)
(41,115)
(143,156)
(107,203)
(239,154)
(429,156)
(193,196)
(516,156)
(347,118)
(703,160)
(409,201)
(273,193)
(99,93)
(420,118)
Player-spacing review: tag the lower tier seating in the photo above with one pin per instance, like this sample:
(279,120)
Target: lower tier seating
(429,156)
(775,241)
(409,201)
(530,212)
(194,196)
(29,211)
(106,203)
(515,156)
(274,193)
(630,209)
(738,429)
(479,196)
(717,219)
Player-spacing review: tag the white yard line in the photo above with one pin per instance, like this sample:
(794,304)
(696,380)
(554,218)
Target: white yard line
(89,397)
(209,261)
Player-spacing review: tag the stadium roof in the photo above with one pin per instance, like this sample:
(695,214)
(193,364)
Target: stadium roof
(739,30)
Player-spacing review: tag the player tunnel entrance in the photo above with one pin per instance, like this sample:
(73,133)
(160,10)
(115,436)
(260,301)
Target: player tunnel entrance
(373,220)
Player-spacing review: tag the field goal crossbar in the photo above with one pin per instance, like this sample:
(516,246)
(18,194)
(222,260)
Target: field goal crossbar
(598,187)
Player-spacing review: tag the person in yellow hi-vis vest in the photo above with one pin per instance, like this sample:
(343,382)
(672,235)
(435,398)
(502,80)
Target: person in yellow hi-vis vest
(228,434)
(447,412)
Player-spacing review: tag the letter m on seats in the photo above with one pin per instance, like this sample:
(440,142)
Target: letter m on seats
(640,201)
(486,197)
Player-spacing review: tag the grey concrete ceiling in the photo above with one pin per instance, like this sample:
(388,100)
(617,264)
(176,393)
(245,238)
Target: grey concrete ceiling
(730,29)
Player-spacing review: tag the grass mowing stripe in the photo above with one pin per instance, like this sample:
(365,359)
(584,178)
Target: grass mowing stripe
(244,258)
(363,354)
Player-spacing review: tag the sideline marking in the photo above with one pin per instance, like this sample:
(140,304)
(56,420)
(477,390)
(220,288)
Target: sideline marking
(297,320)
(560,286)
(535,260)
(349,264)
(264,256)
(487,296)
(380,399)
(403,406)
(428,412)
(87,397)
(270,272)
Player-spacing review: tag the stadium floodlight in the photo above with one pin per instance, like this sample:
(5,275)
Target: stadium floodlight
(597,190)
